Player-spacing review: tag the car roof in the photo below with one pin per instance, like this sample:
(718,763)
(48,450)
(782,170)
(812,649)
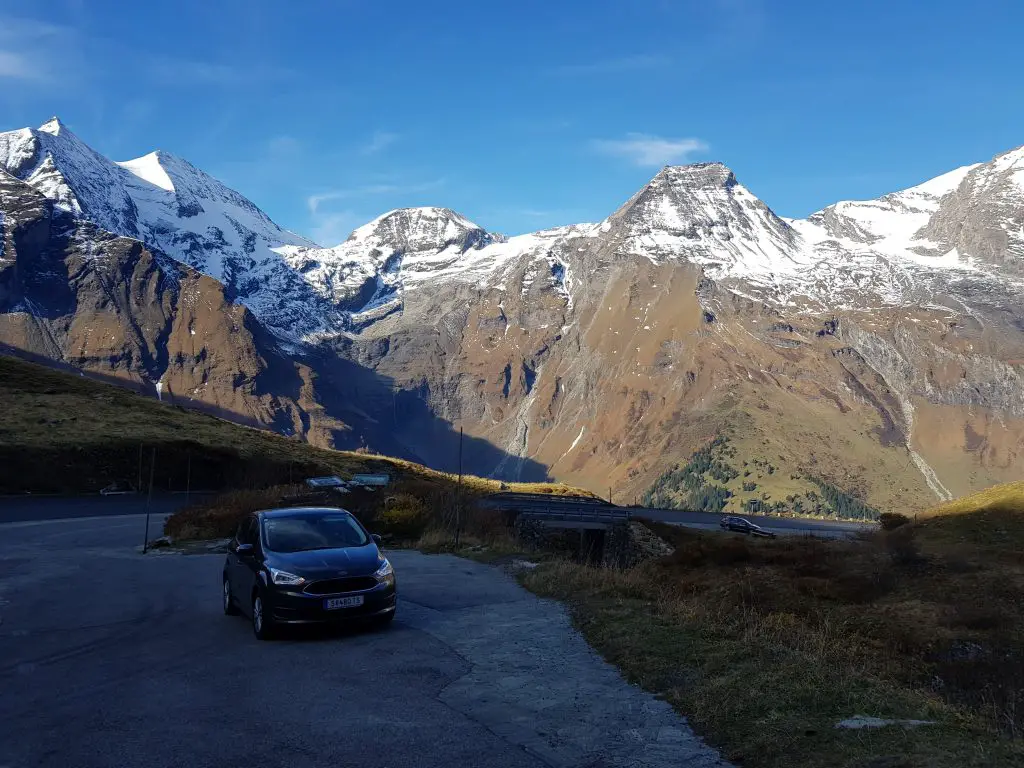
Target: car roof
(299,511)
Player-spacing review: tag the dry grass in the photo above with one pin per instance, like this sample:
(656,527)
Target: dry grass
(418,506)
(765,645)
(61,433)
(205,520)
(1008,497)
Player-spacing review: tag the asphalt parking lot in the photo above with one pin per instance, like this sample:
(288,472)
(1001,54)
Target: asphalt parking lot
(112,658)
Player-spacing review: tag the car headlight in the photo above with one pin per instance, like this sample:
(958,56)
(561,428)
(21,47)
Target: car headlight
(285,578)
(385,574)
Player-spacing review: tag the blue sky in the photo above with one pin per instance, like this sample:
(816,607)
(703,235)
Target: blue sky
(528,114)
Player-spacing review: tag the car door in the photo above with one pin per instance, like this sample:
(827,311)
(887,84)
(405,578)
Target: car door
(244,566)
(231,565)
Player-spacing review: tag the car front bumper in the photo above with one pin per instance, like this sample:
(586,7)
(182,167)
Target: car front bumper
(288,607)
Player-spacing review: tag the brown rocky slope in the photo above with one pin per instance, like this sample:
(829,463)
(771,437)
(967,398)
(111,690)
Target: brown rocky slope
(874,349)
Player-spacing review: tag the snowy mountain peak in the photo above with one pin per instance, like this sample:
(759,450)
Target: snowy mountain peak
(419,229)
(695,176)
(697,206)
(175,208)
(1005,170)
(54,127)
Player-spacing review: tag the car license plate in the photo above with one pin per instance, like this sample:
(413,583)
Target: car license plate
(333,603)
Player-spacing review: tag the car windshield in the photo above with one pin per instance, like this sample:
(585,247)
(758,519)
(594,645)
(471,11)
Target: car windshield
(319,530)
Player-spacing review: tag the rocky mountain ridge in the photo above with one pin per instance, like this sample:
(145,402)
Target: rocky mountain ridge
(890,329)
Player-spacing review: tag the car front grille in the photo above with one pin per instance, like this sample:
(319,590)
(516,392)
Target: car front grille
(337,586)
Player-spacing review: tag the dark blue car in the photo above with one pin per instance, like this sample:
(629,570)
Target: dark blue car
(741,525)
(308,565)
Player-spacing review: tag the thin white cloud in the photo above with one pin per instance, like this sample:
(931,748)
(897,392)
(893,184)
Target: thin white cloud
(313,202)
(18,66)
(284,146)
(176,71)
(617,65)
(650,151)
(33,51)
(334,228)
(379,141)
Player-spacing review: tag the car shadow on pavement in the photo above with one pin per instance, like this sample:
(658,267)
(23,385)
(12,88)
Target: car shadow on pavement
(322,633)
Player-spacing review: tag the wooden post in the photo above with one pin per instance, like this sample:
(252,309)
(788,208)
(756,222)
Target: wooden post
(149,501)
(458,497)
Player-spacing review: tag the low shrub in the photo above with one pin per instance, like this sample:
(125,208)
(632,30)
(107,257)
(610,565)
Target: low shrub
(890,521)
(403,516)
(903,548)
(219,517)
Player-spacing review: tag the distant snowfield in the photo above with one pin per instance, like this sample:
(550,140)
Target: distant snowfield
(149,169)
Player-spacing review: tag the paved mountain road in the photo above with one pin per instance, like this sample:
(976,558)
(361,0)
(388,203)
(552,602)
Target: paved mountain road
(784,526)
(569,506)
(24,508)
(109,657)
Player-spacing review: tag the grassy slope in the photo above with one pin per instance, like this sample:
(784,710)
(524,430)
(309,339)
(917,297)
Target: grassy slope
(755,474)
(805,439)
(65,433)
(766,645)
(992,519)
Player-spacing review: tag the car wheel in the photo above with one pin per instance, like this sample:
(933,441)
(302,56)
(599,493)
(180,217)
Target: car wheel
(262,622)
(230,609)
(384,621)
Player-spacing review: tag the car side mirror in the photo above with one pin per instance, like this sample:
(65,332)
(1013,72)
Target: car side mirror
(244,550)
(377,539)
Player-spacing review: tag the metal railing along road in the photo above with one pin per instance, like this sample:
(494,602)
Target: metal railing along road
(550,507)
(512,500)
(613,515)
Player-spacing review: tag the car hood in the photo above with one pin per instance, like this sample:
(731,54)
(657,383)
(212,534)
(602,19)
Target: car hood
(328,563)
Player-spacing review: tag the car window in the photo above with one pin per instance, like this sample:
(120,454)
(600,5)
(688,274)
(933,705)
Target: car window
(247,531)
(320,530)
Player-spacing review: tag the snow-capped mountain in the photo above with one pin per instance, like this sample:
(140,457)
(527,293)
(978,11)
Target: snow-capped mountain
(875,344)
(171,205)
(855,254)
(702,213)
(895,250)
(983,216)
(404,250)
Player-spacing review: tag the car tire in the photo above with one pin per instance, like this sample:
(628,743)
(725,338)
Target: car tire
(384,621)
(228,602)
(262,623)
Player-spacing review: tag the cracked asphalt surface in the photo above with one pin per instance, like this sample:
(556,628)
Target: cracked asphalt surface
(112,658)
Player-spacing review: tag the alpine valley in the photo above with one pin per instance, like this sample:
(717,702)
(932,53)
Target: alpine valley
(693,346)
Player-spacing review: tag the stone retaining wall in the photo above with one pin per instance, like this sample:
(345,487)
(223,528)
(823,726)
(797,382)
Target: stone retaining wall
(632,543)
(621,546)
